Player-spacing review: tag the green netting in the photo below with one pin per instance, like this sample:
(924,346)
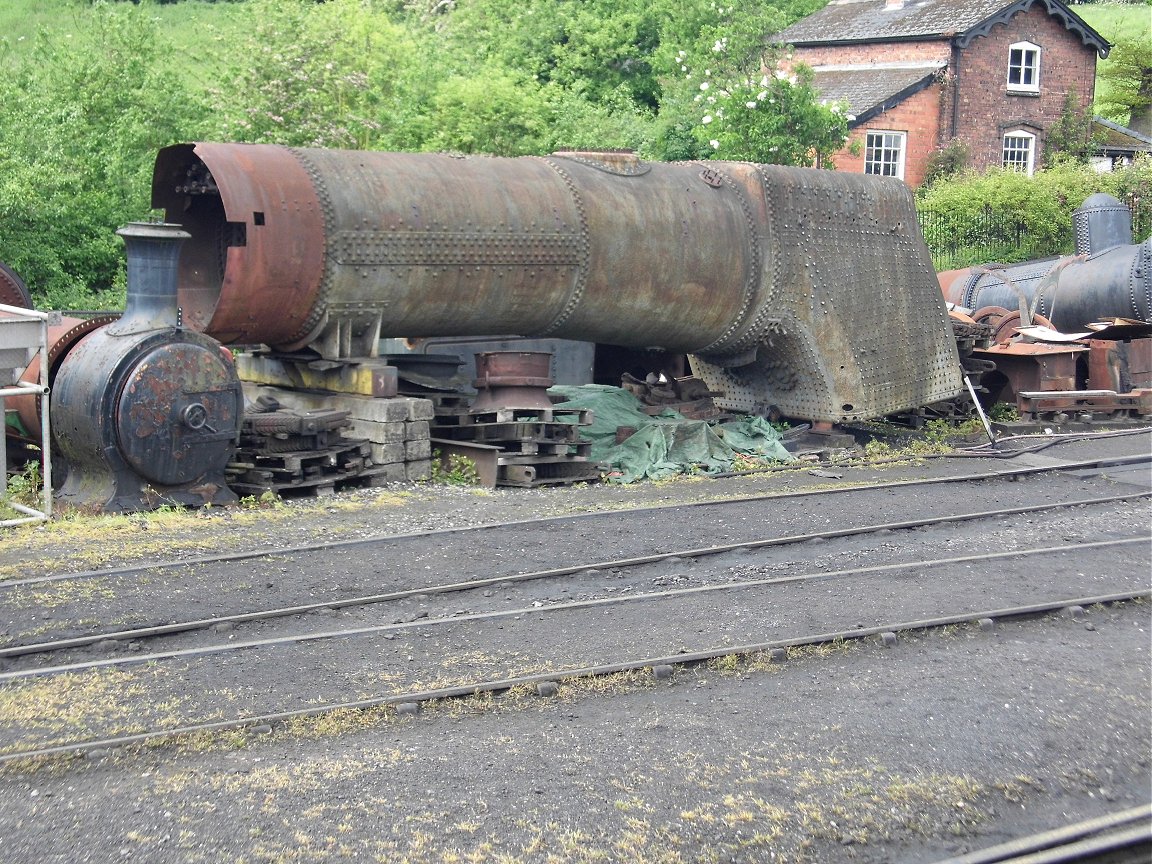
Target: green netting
(667,443)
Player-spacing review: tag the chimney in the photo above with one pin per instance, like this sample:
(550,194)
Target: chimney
(153,252)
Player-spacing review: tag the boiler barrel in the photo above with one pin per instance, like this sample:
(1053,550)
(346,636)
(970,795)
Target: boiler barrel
(1071,292)
(822,279)
(441,246)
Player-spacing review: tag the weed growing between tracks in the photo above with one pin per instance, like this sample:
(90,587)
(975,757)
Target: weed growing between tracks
(64,708)
(53,595)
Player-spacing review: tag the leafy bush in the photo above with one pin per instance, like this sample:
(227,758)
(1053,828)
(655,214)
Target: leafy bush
(87,101)
(318,75)
(1007,217)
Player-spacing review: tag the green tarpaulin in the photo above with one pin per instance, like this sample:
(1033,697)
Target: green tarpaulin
(667,443)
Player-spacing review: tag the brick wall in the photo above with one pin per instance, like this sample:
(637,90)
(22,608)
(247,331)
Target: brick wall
(919,117)
(986,109)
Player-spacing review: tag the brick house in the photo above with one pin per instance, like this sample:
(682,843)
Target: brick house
(917,74)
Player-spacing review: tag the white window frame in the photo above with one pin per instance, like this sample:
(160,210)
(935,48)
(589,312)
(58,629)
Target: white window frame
(1028,164)
(1025,65)
(891,142)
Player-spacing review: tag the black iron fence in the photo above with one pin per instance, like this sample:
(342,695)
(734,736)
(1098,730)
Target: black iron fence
(986,236)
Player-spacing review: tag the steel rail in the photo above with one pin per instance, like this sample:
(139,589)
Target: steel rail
(683,659)
(1091,840)
(473,584)
(327,545)
(455,587)
(1059,438)
(616,600)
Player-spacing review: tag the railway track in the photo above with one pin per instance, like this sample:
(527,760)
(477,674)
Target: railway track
(760,585)
(1009,475)
(68,610)
(456,654)
(754,647)
(1118,838)
(612,565)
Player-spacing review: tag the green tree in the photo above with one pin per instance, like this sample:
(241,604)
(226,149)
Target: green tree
(1070,137)
(743,101)
(83,115)
(334,74)
(972,214)
(85,108)
(1126,84)
(494,112)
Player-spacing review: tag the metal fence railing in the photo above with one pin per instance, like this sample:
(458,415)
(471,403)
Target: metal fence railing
(987,236)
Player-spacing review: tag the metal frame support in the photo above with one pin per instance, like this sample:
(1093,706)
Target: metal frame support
(40,388)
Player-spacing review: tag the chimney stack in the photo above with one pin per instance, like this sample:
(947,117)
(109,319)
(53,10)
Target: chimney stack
(153,252)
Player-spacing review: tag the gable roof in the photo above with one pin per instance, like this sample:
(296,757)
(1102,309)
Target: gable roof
(1113,139)
(844,22)
(873,88)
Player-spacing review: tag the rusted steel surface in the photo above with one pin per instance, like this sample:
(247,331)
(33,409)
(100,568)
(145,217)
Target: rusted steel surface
(243,277)
(1110,276)
(61,338)
(1023,366)
(1070,292)
(512,379)
(13,291)
(1005,323)
(1119,365)
(1035,405)
(370,377)
(134,416)
(806,290)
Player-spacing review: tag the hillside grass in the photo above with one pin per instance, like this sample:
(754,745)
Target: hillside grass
(194,28)
(1118,20)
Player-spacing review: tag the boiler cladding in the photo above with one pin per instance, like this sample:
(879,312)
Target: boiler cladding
(802,289)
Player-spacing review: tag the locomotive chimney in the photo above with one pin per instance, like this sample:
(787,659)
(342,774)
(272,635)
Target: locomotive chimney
(1102,222)
(153,251)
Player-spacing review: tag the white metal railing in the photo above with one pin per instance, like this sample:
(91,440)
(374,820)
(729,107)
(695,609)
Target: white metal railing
(16,321)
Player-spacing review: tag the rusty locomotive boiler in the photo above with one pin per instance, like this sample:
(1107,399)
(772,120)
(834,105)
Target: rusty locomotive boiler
(1108,277)
(805,290)
(146,412)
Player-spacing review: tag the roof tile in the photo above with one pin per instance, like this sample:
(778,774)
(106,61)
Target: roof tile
(866,89)
(872,20)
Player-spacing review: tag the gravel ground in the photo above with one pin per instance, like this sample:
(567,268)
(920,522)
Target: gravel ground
(65,607)
(947,742)
(100,542)
(951,740)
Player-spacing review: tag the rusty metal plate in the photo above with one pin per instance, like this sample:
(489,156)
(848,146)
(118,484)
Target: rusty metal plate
(859,326)
(1071,292)
(809,290)
(61,338)
(454,249)
(177,405)
(252,270)
(13,291)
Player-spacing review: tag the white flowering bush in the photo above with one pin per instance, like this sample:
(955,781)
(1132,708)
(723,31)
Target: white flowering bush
(745,101)
(776,117)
